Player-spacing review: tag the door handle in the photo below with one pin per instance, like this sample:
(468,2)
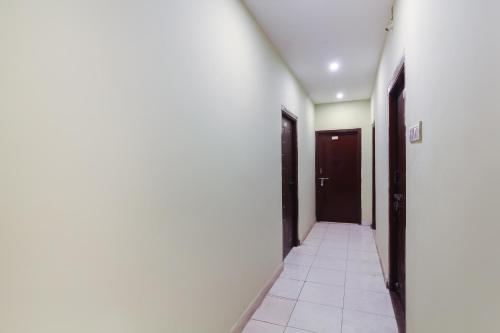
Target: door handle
(322,180)
(398,199)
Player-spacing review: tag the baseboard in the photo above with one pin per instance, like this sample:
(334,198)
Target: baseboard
(254,305)
(386,278)
(307,233)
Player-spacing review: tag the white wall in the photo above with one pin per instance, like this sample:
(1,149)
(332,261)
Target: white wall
(140,173)
(391,58)
(348,115)
(452,51)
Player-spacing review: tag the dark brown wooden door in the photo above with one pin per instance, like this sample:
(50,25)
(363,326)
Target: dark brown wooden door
(397,196)
(338,176)
(289,182)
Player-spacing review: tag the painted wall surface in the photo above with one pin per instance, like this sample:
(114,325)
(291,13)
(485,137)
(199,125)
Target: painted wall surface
(140,173)
(391,58)
(452,51)
(349,115)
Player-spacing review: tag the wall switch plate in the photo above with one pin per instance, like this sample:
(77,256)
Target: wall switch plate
(416,133)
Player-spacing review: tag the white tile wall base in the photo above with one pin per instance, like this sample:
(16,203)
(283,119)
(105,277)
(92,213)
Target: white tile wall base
(331,284)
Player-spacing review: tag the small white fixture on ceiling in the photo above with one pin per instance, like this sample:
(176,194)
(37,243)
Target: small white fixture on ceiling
(340,95)
(334,66)
(312,35)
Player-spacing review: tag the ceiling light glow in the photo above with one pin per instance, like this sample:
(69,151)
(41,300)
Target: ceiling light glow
(340,95)
(334,66)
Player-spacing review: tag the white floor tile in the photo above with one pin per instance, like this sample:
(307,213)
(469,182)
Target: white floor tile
(365,282)
(326,276)
(337,233)
(338,236)
(338,229)
(362,229)
(317,233)
(361,232)
(362,246)
(312,241)
(322,294)
(368,301)
(306,249)
(275,310)
(361,239)
(363,256)
(336,244)
(314,235)
(365,267)
(327,251)
(320,226)
(359,322)
(342,269)
(295,272)
(339,225)
(286,288)
(329,263)
(299,259)
(255,326)
(295,330)
(316,318)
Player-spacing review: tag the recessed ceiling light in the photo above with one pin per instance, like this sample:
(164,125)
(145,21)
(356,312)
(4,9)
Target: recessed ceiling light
(334,66)
(340,95)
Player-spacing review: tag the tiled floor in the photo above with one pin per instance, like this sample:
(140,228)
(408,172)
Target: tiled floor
(331,284)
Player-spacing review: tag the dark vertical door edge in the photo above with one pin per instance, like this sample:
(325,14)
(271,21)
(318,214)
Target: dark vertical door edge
(289,181)
(397,196)
(374,188)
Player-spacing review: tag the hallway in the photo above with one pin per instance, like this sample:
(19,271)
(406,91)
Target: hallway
(331,284)
(160,162)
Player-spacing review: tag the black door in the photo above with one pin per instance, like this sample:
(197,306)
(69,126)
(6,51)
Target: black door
(397,196)
(289,182)
(338,176)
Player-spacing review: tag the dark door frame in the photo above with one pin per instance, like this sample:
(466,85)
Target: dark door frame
(295,224)
(374,183)
(359,156)
(396,87)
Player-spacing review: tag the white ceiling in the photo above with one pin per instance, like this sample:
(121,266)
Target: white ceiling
(310,34)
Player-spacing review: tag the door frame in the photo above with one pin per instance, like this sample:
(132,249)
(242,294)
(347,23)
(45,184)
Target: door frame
(374,183)
(359,134)
(295,221)
(395,87)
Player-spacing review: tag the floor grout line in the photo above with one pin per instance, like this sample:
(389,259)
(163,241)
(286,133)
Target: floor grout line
(345,283)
